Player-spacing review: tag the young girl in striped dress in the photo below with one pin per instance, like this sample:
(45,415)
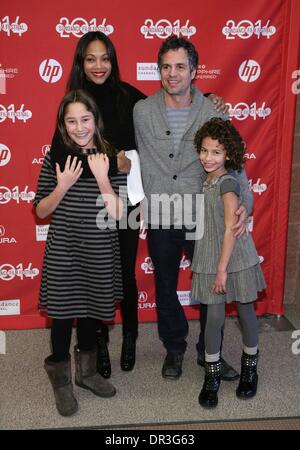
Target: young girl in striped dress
(225,269)
(81,276)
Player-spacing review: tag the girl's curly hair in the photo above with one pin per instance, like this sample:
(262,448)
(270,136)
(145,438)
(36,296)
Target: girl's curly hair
(228,136)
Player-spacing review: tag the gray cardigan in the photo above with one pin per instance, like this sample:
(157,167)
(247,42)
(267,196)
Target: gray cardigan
(174,179)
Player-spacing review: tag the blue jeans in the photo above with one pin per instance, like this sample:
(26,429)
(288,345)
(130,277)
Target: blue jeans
(165,248)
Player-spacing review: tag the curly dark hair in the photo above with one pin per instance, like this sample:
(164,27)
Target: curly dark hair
(228,136)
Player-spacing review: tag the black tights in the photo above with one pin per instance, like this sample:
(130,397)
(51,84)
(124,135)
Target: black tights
(61,333)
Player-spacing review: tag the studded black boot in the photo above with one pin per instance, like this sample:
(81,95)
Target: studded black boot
(248,380)
(208,397)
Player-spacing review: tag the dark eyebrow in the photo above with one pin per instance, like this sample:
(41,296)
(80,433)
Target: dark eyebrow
(83,117)
(93,54)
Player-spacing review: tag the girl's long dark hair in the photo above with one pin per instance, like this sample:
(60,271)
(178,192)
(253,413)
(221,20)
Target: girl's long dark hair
(81,96)
(77,78)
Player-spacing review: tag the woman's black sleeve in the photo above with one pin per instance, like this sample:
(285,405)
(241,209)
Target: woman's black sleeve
(113,165)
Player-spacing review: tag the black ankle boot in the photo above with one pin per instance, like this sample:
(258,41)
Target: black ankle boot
(128,352)
(248,380)
(208,397)
(103,361)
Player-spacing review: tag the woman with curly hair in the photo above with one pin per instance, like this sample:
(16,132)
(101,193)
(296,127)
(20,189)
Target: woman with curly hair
(225,269)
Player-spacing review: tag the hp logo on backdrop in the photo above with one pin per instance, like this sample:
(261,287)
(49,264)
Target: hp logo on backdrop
(50,70)
(4,155)
(249,71)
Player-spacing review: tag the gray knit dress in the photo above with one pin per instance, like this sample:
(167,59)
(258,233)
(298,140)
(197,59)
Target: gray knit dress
(245,278)
(81,271)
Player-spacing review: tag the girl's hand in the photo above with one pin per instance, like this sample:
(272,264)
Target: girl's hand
(219,286)
(70,174)
(99,165)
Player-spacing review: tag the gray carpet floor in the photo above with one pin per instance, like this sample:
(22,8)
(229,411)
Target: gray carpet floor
(143,396)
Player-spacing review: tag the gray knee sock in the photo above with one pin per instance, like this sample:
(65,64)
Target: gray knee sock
(213,328)
(249,325)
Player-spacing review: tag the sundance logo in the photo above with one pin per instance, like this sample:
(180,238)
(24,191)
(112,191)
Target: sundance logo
(79,26)
(242,110)
(8,26)
(50,70)
(257,187)
(9,272)
(245,29)
(7,194)
(10,112)
(148,268)
(163,28)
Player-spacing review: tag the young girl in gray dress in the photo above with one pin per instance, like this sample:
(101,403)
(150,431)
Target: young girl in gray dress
(225,269)
(81,271)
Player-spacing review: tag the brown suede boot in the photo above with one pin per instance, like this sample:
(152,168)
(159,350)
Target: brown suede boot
(60,377)
(86,375)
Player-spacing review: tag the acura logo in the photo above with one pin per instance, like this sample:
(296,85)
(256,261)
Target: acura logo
(143,296)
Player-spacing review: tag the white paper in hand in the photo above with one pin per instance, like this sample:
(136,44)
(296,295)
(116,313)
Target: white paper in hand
(135,188)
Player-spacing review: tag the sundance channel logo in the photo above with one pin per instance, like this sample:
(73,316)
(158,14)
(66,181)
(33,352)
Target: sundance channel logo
(147,71)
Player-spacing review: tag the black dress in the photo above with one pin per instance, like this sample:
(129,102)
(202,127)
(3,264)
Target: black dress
(81,271)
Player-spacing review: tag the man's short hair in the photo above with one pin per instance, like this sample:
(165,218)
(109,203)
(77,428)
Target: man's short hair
(174,43)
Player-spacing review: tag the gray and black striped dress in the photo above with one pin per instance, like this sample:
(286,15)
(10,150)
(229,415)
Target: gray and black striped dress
(81,274)
(244,275)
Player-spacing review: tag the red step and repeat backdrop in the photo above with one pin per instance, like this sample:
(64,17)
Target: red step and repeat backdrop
(248,54)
